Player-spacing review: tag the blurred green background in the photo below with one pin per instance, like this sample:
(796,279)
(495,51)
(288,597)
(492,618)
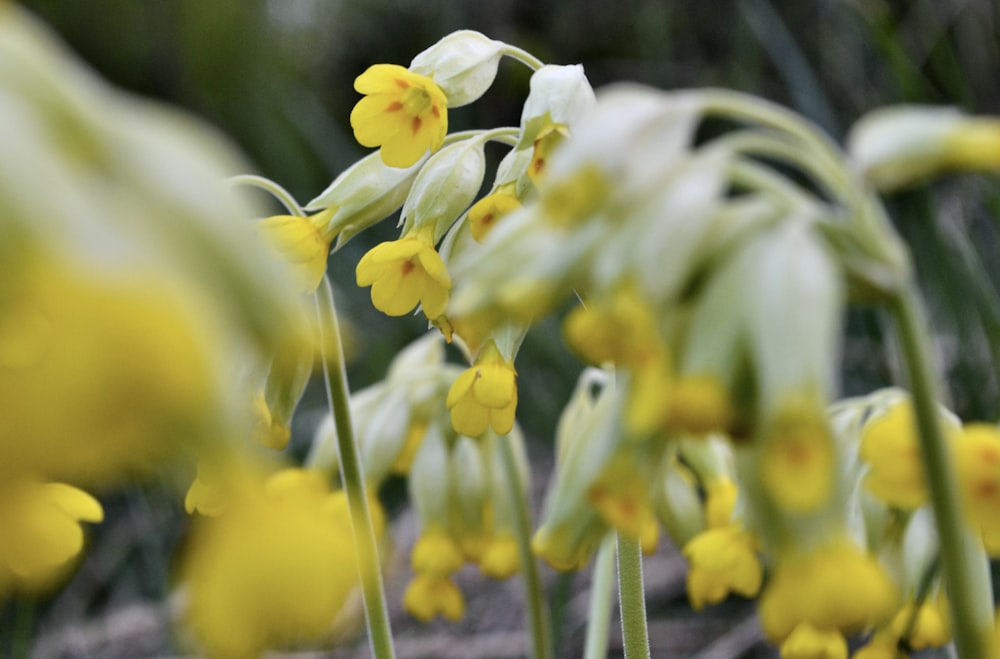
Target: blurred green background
(276,76)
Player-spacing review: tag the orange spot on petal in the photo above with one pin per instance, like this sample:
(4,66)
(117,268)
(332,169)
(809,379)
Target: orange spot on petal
(416,125)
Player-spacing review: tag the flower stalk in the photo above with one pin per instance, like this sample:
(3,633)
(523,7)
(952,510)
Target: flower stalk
(632,599)
(541,634)
(352,475)
(599,615)
(970,606)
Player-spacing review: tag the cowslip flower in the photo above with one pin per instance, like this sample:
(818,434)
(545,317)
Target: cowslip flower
(484,395)
(931,627)
(836,587)
(977,461)
(809,642)
(432,592)
(277,565)
(486,212)
(40,531)
(500,558)
(890,447)
(550,137)
(722,560)
(404,273)
(404,113)
(797,460)
(302,243)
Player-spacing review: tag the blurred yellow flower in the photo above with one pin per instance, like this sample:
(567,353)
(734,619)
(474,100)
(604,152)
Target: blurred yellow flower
(40,531)
(486,212)
(101,375)
(932,626)
(430,595)
(404,273)
(889,445)
(302,243)
(403,112)
(808,642)
(797,459)
(836,587)
(436,553)
(501,558)
(977,461)
(484,395)
(274,569)
(722,560)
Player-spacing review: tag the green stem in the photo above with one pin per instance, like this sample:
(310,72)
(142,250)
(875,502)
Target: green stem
(278,192)
(541,635)
(971,607)
(376,613)
(632,599)
(523,56)
(599,618)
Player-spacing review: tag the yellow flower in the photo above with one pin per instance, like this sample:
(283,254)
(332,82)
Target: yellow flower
(932,627)
(622,496)
(977,461)
(430,595)
(484,395)
(485,213)
(436,553)
(40,531)
(125,363)
(797,461)
(547,140)
(722,560)
(720,502)
(501,558)
(881,646)
(403,112)
(699,404)
(889,445)
(302,243)
(274,569)
(624,331)
(808,642)
(837,587)
(403,273)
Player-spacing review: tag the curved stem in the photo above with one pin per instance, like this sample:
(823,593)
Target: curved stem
(632,599)
(599,614)
(745,107)
(971,607)
(373,592)
(538,615)
(523,56)
(267,185)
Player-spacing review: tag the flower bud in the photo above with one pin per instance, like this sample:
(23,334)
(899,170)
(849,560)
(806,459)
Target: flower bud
(364,194)
(899,146)
(463,64)
(445,187)
(559,96)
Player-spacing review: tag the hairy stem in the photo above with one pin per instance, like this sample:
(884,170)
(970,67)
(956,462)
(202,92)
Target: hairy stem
(335,376)
(541,635)
(632,599)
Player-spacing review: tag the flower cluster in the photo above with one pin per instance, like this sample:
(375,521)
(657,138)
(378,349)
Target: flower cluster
(701,277)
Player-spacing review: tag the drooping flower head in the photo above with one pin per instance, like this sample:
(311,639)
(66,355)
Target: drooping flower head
(404,273)
(302,243)
(404,113)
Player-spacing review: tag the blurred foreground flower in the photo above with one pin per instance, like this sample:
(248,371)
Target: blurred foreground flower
(274,569)
(40,532)
(134,293)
